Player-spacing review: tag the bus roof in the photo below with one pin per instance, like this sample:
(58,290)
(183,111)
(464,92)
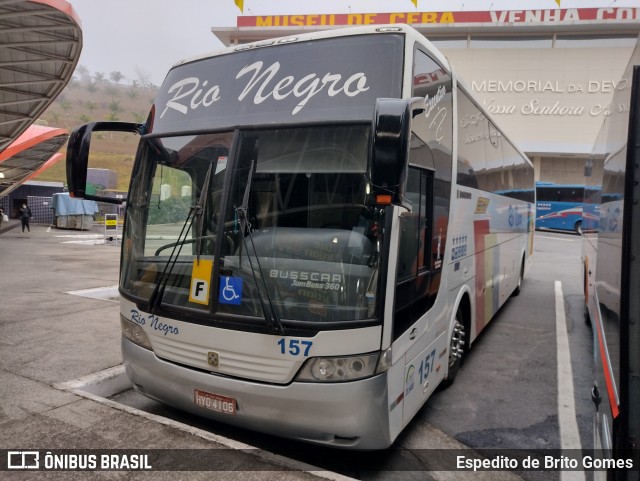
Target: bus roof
(410,32)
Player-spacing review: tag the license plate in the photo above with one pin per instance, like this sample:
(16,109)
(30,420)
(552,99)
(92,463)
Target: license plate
(214,402)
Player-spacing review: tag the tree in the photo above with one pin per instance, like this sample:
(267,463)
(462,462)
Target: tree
(66,105)
(144,78)
(112,90)
(115,107)
(138,117)
(116,76)
(83,71)
(98,77)
(171,210)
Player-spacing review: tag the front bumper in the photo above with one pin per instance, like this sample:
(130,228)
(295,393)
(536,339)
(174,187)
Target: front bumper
(351,415)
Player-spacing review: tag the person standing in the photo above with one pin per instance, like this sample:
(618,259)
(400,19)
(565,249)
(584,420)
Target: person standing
(25,215)
(1,216)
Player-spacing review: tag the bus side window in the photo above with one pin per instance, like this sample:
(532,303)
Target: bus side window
(415,226)
(409,229)
(416,251)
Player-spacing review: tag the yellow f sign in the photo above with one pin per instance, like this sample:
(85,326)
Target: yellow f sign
(240,4)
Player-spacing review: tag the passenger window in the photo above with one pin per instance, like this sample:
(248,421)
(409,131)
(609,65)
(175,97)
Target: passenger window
(415,227)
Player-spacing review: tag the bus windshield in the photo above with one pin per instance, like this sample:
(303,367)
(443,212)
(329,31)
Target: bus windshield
(288,229)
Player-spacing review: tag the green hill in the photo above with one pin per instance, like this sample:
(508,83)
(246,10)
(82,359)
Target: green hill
(94,100)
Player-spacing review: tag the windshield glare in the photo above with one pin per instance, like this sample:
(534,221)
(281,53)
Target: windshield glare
(306,246)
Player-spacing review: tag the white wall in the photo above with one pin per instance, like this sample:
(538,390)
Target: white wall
(548,100)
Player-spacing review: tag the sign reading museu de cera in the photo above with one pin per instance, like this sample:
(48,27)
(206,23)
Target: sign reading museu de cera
(445,17)
(546,75)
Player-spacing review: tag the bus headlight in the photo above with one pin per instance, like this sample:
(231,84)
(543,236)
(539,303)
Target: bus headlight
(337,369)
(134,333)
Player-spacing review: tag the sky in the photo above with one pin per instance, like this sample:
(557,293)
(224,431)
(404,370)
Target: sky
(149,36)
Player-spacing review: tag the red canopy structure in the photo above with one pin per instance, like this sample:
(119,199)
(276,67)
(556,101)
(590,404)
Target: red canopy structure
(40,45)
(31,153)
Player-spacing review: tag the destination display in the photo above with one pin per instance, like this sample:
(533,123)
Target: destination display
(282,83)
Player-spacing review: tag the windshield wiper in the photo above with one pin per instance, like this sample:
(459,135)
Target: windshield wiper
(270,314)
(204,196)
(156,296)
(196,210)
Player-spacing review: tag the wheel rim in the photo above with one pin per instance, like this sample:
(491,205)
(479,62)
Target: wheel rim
(457,343)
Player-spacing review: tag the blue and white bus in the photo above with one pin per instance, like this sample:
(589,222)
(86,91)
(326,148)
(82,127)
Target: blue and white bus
(315,233)
(559,206)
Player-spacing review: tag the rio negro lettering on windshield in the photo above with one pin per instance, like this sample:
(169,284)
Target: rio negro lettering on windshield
(265,84)
(308,81)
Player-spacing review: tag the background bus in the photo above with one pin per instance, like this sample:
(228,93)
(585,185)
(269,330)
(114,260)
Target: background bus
(611,263)
(559,206)
(311,242)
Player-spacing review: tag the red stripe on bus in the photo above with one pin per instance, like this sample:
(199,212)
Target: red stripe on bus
(606,368)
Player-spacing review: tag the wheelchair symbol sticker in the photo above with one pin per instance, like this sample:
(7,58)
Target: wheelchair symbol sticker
(230,290)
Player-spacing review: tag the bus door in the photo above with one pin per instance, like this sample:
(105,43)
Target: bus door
(421,245)
(423,234)
(415,293)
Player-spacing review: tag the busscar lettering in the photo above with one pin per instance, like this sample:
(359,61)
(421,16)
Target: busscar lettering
(303,276)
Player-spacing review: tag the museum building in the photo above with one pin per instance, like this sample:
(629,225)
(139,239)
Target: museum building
(547,77)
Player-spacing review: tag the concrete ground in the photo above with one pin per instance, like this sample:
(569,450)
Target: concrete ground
(48,336)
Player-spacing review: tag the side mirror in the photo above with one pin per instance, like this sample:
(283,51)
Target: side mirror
(78,156)
(390,145)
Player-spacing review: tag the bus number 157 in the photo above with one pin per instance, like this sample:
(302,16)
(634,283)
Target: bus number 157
(295,347)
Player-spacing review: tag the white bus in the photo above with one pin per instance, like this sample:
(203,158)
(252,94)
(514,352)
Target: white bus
(611,256)
(317,229)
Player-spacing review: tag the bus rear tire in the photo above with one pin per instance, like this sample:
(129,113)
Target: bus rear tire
(518,288)
(578,227)
(456,348)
